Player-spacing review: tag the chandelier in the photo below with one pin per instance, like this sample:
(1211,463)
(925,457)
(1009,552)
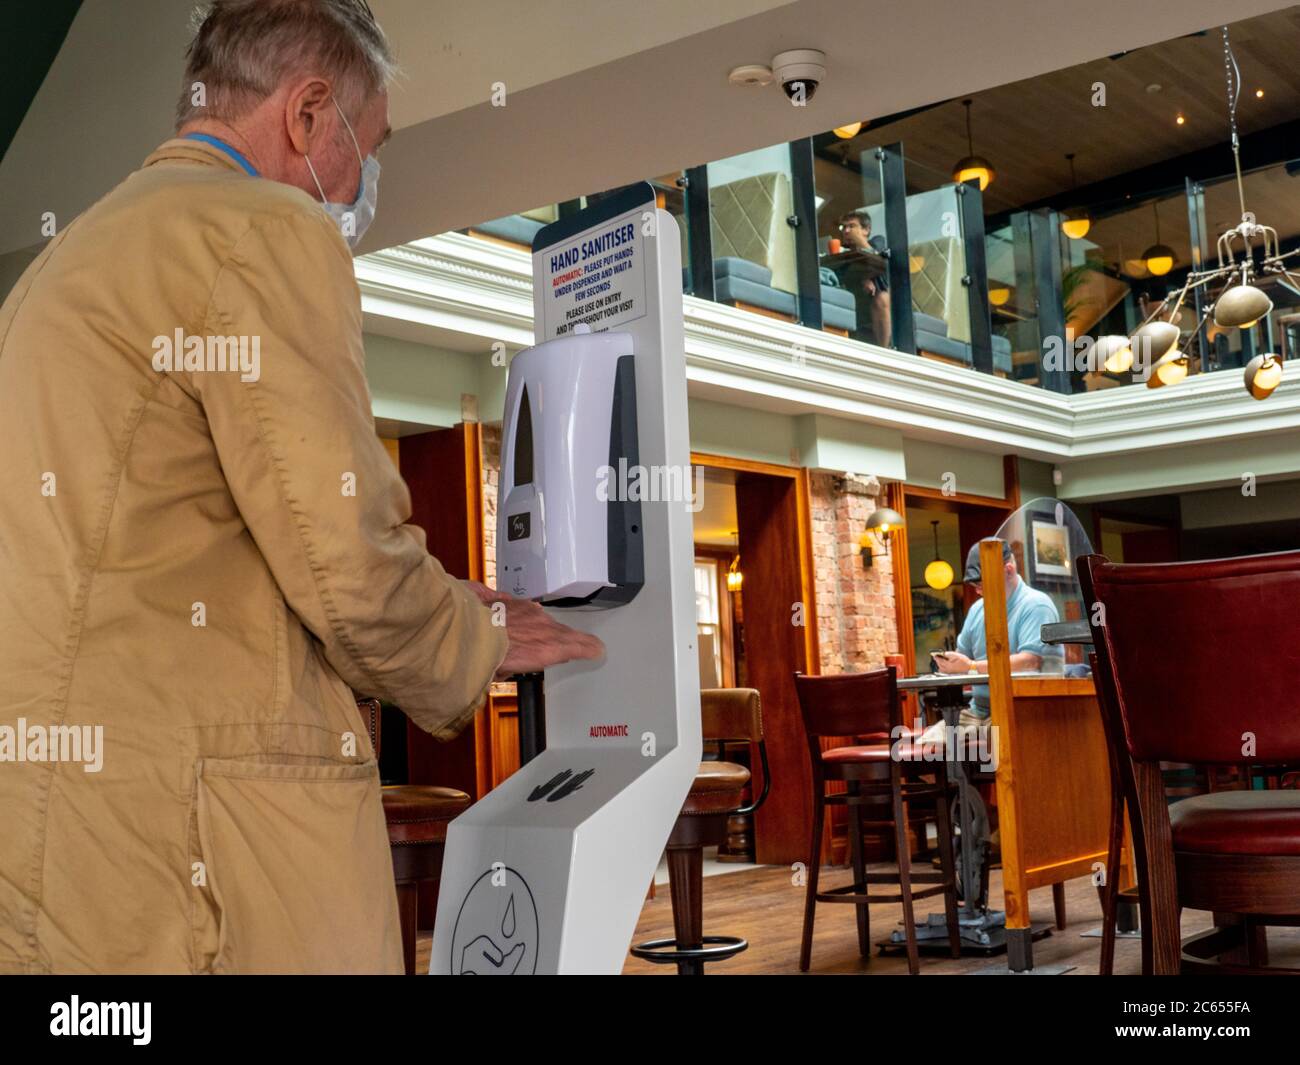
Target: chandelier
(1239,302)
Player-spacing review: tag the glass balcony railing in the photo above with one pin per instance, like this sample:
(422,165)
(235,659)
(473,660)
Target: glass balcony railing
(752,232)
(861,243)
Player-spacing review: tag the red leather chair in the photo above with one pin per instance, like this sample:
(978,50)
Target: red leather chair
(417,816)
(881,778)
(1199,662)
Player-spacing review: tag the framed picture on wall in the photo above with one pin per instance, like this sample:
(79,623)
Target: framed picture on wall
(1051,549)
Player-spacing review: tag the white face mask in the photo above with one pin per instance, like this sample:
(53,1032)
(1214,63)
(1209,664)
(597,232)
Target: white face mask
(352,219)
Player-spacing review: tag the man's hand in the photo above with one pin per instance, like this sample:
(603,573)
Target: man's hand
(536,640)
(953,662)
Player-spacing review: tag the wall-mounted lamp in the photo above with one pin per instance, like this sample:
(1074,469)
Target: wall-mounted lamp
(734,577)
(882,522)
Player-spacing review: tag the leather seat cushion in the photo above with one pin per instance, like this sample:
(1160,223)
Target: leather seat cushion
(418,813)
(718,788)
(1238,822)
(876,752)
(907,750)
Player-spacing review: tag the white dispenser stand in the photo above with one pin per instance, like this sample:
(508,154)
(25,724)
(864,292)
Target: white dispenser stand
(549,872)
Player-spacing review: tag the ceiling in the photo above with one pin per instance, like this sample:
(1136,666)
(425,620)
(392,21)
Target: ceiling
(1272,194)
(1026,127)
(598,93)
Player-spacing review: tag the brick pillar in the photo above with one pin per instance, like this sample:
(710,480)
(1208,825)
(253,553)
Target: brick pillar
(855,605)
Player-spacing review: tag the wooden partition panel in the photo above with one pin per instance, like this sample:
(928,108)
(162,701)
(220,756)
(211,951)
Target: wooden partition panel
(1053,773)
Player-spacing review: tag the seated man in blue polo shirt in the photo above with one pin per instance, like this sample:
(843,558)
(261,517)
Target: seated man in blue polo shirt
(1028,610)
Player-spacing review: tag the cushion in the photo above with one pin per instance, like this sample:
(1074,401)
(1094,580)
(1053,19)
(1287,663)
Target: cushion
(742,269)
(876,752)
(941,344)
(418,813)
(1238,822)
(838,297)
(839,318)
(718,788)
(730,289)
(907,750)
(839,308)
(1002,354)
(929,323)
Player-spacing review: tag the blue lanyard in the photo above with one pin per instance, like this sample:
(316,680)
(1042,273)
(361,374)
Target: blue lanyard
(223,146)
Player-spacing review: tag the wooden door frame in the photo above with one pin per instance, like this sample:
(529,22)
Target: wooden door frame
(803,500)
(774,505)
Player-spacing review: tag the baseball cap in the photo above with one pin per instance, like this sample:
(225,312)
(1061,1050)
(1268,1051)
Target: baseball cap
(973,560)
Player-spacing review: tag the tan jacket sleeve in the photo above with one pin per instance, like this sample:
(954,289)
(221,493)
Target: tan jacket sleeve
(292,445)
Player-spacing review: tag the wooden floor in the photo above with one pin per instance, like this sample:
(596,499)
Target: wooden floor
(763,906)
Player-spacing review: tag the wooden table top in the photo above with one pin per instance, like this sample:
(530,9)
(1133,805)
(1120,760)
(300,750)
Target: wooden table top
(1029,684)
(874,263)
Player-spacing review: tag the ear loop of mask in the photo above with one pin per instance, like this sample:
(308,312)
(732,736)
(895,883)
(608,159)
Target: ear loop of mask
(357,147)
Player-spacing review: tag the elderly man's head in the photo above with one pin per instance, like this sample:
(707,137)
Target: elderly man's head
(283,80)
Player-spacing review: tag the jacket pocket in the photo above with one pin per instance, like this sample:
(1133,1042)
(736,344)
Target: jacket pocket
(299,868)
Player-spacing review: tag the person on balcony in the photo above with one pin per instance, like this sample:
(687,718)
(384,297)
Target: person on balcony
(871,292)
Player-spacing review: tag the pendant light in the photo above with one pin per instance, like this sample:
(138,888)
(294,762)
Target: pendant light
(1263,375)
(1114,353)
(972,166)
(1169,370)
(1075,222)
(847,132)
(938,574)
(1156,340)
(1241,307)
(1159,258)
(734,577)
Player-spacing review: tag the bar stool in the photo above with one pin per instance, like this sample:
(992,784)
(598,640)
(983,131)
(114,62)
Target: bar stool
(417,816)
(1234,853)
(882,776)
(726,714)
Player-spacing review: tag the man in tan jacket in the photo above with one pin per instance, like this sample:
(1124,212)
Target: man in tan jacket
(203,545)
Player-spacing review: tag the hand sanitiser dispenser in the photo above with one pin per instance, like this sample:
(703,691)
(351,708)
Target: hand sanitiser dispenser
(570,419)
(547,872)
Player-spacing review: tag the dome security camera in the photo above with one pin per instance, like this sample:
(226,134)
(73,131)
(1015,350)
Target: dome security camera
(800,72)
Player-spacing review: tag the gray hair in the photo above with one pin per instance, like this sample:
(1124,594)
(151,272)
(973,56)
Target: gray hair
(244,49)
